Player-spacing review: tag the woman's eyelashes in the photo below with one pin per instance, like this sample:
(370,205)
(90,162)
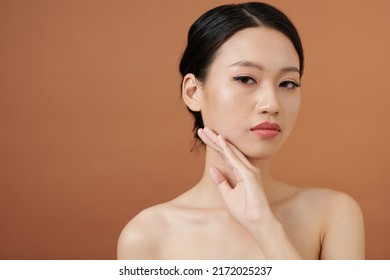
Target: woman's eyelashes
(289,84)
(249,80)
(245,80)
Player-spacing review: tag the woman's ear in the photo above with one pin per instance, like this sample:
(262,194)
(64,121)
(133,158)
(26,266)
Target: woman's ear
(192,92)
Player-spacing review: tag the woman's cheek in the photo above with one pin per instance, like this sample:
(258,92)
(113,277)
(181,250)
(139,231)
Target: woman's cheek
(290,110)
(218,106)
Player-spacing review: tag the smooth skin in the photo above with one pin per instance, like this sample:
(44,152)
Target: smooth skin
(237,210)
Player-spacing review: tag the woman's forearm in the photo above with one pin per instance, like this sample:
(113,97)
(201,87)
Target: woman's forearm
(273,240)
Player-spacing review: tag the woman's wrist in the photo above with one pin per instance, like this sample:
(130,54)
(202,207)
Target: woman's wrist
(273,239)
(266,224)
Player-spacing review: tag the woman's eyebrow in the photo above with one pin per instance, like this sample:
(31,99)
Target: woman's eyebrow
(290,69)
(247,63)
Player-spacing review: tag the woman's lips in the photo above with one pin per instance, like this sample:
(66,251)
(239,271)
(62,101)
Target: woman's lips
(266,130)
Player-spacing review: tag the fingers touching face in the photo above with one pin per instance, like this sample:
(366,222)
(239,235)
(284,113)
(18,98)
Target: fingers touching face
(226,150)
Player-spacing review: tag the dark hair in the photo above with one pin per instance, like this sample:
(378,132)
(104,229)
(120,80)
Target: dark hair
(216,26)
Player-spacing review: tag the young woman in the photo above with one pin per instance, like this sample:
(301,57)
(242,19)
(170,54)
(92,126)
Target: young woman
(242,72)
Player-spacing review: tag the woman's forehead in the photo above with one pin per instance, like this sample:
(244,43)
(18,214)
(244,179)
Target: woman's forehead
(260,46)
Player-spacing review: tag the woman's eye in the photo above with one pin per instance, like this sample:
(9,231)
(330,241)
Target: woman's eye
(289,84)
(246,80)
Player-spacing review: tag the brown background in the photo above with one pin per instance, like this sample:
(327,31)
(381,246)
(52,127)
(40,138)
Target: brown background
(92,128)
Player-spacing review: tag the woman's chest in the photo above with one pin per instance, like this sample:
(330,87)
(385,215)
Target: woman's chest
(210,242)
(221,239)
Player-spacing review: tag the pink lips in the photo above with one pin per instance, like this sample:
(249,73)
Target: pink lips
(266,130)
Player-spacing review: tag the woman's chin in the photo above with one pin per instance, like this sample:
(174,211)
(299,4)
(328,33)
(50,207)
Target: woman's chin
(261,156)
(260,151)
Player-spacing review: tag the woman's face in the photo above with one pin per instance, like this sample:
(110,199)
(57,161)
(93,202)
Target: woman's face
(251,95)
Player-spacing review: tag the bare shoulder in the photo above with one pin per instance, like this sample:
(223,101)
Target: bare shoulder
(331,203)
(141,237)
(343,233)
(326,198)
(342,225)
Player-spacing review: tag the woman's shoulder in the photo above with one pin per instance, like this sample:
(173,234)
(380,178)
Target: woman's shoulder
(339,217)
(141,236)
(327,199)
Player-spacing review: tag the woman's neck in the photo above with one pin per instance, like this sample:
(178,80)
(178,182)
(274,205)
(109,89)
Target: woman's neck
(209,192)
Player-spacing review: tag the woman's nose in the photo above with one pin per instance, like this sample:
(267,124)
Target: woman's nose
(268,102)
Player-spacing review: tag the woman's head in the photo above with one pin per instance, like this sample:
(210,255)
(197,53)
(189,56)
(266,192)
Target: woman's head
(214,28)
